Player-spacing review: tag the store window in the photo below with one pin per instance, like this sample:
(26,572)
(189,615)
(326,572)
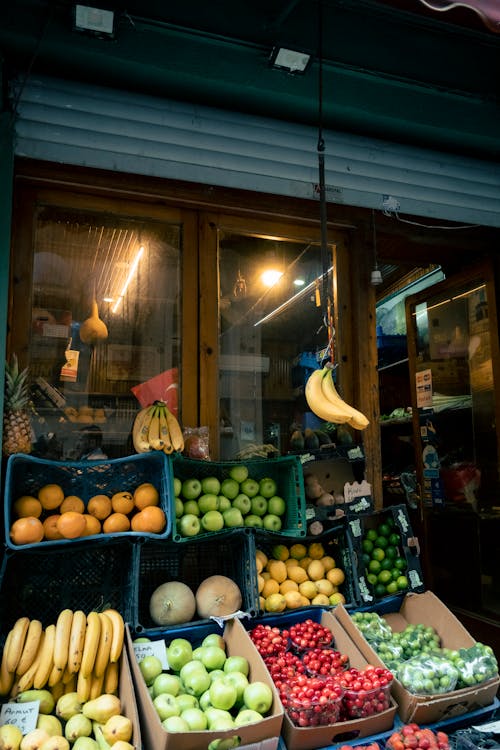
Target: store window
(105,336)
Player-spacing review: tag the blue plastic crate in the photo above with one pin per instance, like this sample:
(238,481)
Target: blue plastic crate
(232,555)
(27,474)
(286,471)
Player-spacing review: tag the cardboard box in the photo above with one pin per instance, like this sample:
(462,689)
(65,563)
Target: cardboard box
(427,609)
(126,694)
(309,738)
(237,643)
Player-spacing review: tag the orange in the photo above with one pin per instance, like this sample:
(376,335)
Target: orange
(50,527)
(122,502)
(72,502)
(100,507)
(71,524)
(27,506)
(116,522)
(92,525)
(27,530)
(151,519)
(50,496)
(144,495)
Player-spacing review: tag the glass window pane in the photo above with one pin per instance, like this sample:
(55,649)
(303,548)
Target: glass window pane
(90,377)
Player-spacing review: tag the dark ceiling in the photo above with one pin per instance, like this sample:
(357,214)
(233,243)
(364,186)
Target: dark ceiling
(413,76)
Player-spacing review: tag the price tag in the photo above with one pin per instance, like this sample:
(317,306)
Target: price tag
(152,648)
(22,715)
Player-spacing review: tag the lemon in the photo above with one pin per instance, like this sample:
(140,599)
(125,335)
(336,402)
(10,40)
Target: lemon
(260,555)
(324,586)
(337,598)
(321,599)
(270,587)
(278,570)
(298,551)
(305,562)
(293,599)
(275,603)
(315,570)
(280,552)
(328,562)
(316,550)
(260,583)
(292,563)
(298,574)
(336,576)
(288,585)
(308,589)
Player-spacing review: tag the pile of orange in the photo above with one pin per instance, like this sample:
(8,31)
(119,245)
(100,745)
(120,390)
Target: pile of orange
(52,515)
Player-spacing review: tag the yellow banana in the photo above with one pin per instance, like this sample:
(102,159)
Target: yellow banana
(110,685)
(140,430)
(70,685)
(63,634)
(16,643)
(6,677)
(26,680)
(164,433)
(83,684)
(175,432)
(76,641)
(104,646)
(57,690)
(356,418)
(92,635)
(96,684)
(31,645)
(46,658)
(319,405)
(154,431)
(55,676)
(118,634)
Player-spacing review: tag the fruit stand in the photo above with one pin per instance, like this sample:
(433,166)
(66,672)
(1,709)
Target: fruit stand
(214,633)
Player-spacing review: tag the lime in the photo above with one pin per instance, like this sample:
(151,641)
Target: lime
(378,554)
(395,574)
(392,587)
(386,564)
(365,558)
(391,552)
(367,545)
(400,563)
(394,539)
(381,541)
(374,566)
(402,583)
(384,576)
(371,534)
(384,529)
(380,589)
(371,578)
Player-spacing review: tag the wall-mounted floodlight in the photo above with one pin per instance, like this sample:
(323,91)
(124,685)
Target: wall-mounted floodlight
(290,60)
(95,21)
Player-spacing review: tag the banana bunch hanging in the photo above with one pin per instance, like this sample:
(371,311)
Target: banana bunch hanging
(323,399)
(157,429)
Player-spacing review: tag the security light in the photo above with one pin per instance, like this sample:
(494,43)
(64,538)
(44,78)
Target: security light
(290,60)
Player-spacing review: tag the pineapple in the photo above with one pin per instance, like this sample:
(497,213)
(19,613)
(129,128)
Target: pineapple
(17,432)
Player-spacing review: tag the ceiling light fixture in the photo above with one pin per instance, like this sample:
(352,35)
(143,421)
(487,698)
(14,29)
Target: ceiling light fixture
(290,60)
(95,21)
(131,273)
(271,277)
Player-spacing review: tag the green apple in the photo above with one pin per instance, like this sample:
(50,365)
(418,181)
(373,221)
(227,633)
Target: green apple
(179,507)
(150,668)
(218,715)
(142,639)
(237,663)
(213,520)
(222,694)
(247,716)
(166,705)
(230,488)
(267,487)
(193,666)
(216,674)
(214,639)
(179,653)
(195,718)
(224,503)
(184,700)
(191,488)
(197,682)
(258,696)
(276,505)
(213,657)
(175,724)
(253,521)
(177,487)
(189,525)
(240,681)
(208,502)
(232,517)
(258,505)
(239,473)
(243,503)
(166,683)
(210,485)
(250,487)
(191,507)
(271,522)
(204,699)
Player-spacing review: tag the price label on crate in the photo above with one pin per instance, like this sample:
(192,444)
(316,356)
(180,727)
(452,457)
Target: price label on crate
(23,715)
(151,648)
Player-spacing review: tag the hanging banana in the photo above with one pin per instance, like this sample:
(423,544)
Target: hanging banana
(324,401)
(156,428)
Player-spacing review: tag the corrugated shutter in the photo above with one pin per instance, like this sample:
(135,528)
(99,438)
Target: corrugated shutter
(80,124)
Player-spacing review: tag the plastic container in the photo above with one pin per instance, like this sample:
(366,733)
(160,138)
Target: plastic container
(359,704)
(310,713)
(231,555)
(286,472)
(324,661)
(39,584)
(25,475)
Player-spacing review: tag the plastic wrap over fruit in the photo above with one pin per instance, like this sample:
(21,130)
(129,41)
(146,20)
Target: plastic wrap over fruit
(428,675)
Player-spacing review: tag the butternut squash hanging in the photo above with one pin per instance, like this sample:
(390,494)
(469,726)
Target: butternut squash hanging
(93,330)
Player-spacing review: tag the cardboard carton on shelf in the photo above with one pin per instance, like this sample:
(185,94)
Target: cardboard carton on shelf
(263,735)
(429,610)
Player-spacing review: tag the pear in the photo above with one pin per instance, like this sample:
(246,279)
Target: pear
(122,745)
(68,705)
(51,724)
(117,727)
(55,743)
(77,726)
(47,702)
(101,742)
(34,739)
(10,737)
(102,708)
(85,743)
